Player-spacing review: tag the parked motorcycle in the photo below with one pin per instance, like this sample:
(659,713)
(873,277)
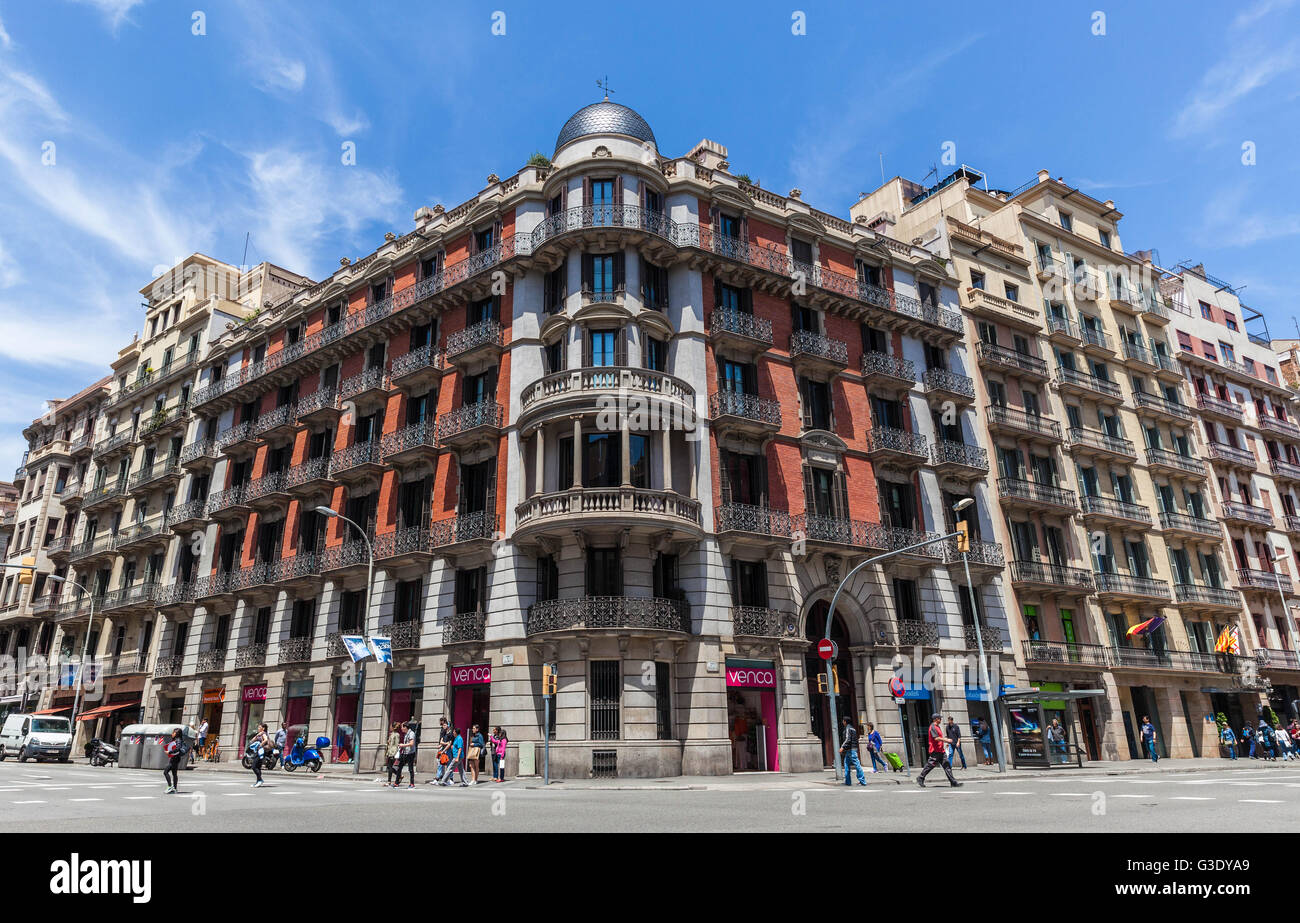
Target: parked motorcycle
(303,755)
(100,753)
(270,758)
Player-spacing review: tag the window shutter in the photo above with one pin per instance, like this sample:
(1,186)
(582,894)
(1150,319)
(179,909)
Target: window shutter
(795,317)
(747,301)
(841,496)
(586,348)
(618,190)
(809,496)
(496,308)
(586,191)
(588,272)
(735,583)
(645,278)
(620,269)
(724,475)
(620,347)
(744,228)
(490,501)
(717,293)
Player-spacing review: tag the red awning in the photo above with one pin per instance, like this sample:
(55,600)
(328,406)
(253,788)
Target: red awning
(52,711)
(103,710)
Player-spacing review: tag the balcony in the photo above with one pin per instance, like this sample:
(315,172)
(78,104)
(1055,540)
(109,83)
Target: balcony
(295,650)
(1162,407)
(366,388)
(168,667)
(411,445)
(1062,330)
(417,371)
(1091,442)
(1246,514)
(136,596)
(59,548)
(72,495)
(404,635)
(1284,470)
(617,613)
(470,425)
(948,386)
(82,553)
(1219,408)
(465,628)
(813,351)
(1284,428)
(404,546)
(1095,341)
(907,633)
(760,622)
(104,495)
(752,526)
(889,446)
(1052,578)
(838,533)
(320,407)
(1139,357)
(152,531)
(1066,654)
(983,556)
(165,420)
(309,478)
(466,533)
(991,355)
(1141,658)
(1111,510)
(229,504)
(175,595)
(282,422)
(613,507)
(266,492)
(200,454)
(981,303)
(113,445)
(302,569)
(358,462)
(1072,381)
(1264,581)
(1017,422)
(741,331)
(351,557)
(1274,659)
(1193,527)
(213,586)
(886,374)
(45,604)
(253,577)
(164,473)
(602,389)
(250,656)
(1200,597)
(733,411)
(478,341)
(990,636)
(212,660)
(187,517)
(1016,492)
(1231,455)
(1126,586)
(238,438)
(958,460)
(1290,523)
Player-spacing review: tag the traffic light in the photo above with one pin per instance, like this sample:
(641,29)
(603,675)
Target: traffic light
(963,536)
(549,681)
(821,680)
(28,572)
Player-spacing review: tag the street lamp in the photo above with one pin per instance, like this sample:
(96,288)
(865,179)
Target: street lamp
(85,647)
(330,513)
(979,640)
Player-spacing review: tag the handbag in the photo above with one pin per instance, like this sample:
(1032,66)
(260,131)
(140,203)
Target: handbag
(475,752)
(444,759)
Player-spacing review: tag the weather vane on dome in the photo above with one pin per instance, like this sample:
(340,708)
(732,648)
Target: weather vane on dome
(604,85)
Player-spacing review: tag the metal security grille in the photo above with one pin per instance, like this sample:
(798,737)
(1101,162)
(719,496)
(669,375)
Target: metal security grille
(605,695)
(604,764)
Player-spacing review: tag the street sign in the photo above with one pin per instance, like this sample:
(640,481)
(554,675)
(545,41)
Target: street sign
(896,687)
(827,649)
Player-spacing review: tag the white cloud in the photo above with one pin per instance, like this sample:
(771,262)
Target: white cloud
(5,40)
(1228,82)
(275,72)
(1229,220)
(1258,11)
(9,272)
(115,11)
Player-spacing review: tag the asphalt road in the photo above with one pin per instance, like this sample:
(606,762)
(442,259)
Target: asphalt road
(77,798)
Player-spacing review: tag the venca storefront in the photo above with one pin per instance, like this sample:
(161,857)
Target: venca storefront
(751,715)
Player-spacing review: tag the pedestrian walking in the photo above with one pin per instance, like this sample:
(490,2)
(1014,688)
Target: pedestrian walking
(1056,737)
(1267,740)
(282,738)
(456,754)
(938,745)
(954,741)
(202,736)
(1149,739)
(175,749)
(1229,741)
(476,745)
(445,737)
(1283,743)
(498,741)
(391,749)
(256,747)
(1248,737)
(849,753)
(875,746)
(406,755)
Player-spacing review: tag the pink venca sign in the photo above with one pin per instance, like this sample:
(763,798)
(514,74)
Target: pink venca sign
(471,674)
(752,677)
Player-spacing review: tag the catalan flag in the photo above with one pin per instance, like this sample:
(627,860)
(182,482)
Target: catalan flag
(1229,642)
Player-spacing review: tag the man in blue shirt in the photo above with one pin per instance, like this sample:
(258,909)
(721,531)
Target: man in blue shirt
(457,758)
(1149,738)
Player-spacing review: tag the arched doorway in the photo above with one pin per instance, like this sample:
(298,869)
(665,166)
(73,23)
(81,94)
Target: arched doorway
(819,704)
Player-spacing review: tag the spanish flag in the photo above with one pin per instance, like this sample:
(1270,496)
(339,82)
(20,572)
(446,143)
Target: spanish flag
(1145,628)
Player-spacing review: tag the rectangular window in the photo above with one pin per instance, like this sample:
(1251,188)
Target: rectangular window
(663,702)
(604,572)
(606,694)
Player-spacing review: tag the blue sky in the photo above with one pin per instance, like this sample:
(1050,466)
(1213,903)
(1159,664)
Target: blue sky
(166,142)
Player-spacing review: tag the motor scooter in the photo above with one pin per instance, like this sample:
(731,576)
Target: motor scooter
(270,758)
(302,755)
(101,753)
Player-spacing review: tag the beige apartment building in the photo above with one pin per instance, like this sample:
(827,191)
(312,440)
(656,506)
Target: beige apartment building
(1109,515)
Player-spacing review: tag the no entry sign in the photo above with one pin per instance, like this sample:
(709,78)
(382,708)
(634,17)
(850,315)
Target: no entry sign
(827,649)
(896,687)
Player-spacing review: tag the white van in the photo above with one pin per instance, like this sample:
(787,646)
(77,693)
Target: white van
(39,737)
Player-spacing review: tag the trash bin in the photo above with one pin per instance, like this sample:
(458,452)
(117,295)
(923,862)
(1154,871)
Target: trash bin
(147,747)
(131,748)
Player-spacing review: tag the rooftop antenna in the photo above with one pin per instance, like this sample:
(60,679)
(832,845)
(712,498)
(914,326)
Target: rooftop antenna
(604,85)
(882,168)
(243,263)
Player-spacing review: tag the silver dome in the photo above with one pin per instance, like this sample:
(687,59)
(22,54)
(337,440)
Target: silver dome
(604,118)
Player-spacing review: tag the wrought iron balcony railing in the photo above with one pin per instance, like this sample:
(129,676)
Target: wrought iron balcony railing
(883,365)
(1025,422)
(1095,439)
(948,382)
(1188,463)
(1042,572)
(757,622)
(1185,522)
(897,441)
(947,452)
(745,406)
(760,520)
(1091,504)
(609,612)
(472,416)
(741,324)
(816,345)
(484,333)
(1018,489)
(992,354)
(1204,595)
(1129,585)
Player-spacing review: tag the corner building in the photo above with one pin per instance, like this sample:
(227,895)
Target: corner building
(624,413)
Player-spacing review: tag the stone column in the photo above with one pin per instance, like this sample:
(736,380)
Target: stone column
(666,458)
(625,438)
(539,455)
(577,452)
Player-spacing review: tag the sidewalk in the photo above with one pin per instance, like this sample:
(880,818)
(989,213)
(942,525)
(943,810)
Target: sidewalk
(783,781)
